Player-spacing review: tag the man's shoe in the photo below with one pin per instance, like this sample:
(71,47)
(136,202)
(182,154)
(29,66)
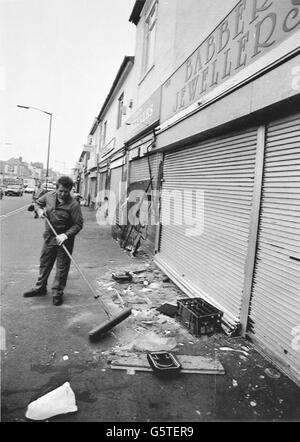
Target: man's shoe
(35,292)
(57,300)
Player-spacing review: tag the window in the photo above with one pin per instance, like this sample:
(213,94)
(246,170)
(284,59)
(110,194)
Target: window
(120,110)
(150,30)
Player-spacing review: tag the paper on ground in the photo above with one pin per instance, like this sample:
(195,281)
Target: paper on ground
(59,401)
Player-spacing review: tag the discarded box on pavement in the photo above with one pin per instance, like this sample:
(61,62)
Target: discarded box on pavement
(198,316)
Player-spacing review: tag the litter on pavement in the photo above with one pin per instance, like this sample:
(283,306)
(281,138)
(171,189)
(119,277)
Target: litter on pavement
(190,364)
(168,310)
(151,342)
(59,401)
(233,349)
(271,373)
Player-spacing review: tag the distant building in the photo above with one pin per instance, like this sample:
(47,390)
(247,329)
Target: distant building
(15,167)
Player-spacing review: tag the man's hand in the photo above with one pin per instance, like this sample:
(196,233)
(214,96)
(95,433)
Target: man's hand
(61,238)
(40,213)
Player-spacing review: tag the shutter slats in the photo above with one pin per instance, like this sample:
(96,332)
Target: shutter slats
(213,261)
(139,169)
(115,181)
(275,302)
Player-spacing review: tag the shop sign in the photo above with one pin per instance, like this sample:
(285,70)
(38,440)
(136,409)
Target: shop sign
(251,29)
(145,116)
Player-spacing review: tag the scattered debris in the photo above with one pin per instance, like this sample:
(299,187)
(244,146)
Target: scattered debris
(59,401)
(232,332)
(127,291)
(163,362)
(51,359)
(154,285)
(145,290)
(273,374)
(122,277)
(168,310)
(232,349)
(151,342)
(142,270)
(119,297)
(190,364)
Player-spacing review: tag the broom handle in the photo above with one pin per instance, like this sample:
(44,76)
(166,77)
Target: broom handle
(79,270)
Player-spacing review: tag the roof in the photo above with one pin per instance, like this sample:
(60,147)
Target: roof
(137,9)
(127,60)
(94,127)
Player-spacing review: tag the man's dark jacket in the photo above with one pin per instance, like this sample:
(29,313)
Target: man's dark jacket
(66,217)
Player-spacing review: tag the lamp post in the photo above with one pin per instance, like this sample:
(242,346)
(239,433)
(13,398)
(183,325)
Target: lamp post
(50,127)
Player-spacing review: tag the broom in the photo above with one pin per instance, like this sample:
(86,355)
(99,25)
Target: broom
(112,321)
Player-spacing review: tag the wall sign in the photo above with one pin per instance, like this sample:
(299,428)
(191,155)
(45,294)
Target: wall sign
(250,30)
(145,116)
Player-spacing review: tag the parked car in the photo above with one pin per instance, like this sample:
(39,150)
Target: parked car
(50,186)
(29,189)
(14,190)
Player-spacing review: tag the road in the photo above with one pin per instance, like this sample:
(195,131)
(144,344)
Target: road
(11,204)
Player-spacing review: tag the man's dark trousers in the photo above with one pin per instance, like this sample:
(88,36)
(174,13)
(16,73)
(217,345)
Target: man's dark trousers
(51,252)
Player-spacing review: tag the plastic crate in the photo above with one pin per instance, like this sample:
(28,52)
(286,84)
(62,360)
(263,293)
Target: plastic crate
(198,316)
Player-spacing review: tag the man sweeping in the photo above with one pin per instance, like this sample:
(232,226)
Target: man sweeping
(64,213)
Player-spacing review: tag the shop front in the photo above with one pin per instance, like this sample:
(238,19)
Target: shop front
(143,182)
(231,184)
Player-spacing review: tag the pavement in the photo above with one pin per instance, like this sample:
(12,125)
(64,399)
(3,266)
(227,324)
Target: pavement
(43,346)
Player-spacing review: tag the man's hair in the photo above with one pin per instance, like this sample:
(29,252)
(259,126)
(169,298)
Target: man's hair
(65,181)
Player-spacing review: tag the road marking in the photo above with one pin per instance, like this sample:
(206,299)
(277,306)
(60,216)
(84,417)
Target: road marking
(13,212)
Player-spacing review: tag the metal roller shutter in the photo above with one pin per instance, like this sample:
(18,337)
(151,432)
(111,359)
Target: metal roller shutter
(93,188)
(211,264)
(139,169)
(103,180)
(275,305)
(115,182)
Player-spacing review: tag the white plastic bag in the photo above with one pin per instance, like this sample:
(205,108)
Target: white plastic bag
(59,401)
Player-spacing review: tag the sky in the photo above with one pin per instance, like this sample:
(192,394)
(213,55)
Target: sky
(60,56)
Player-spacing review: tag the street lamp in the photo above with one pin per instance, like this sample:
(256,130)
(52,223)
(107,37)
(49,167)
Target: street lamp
(50,126)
